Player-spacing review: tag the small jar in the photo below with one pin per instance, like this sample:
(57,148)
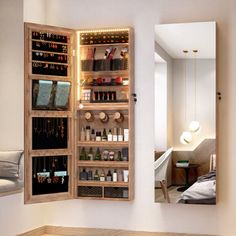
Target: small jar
(118,117)
(104,118)
(89,116)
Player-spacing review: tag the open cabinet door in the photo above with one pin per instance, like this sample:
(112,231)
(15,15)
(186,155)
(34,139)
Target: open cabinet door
(49,113)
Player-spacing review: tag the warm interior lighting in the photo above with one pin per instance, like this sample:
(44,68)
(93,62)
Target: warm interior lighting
(194,126)
(186,137)
(104,30)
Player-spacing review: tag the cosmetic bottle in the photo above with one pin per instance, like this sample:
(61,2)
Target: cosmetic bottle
(93,135)
(98,136)
(82,135)
(114,136)
(120,135)
(114,176)
(109,136)
(90,154)
(83,175)
(109,176)
(104,135)
(87,133)
(102,176)
(96,176)
(119,157)
(97,155)
(83,155)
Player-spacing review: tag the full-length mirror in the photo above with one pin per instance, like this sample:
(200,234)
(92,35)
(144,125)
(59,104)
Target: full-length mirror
(185,113)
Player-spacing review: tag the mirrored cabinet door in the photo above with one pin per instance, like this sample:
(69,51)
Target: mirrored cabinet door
(185,113)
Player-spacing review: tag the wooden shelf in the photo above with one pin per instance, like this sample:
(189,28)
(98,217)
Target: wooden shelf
(104,198)
(103,86)
(46,113)
(103,106)
(47,41)
(102,144)
(57,53)
(51,62)
(104,45)
(100,164)
(106,73)
(102,183)
(49,77)
(51,152)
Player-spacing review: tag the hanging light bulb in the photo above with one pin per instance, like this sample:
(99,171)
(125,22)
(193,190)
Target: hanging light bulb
(194,125)
(186,137)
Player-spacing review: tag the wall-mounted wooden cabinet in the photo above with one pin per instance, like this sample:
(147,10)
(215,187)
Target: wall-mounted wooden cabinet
(79,133)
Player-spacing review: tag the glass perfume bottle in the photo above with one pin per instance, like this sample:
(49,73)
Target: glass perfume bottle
(98,155)
(83,155)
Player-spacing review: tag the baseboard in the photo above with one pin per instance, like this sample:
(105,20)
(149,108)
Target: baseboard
(71,231)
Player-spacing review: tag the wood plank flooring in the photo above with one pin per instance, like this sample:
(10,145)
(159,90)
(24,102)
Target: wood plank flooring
(71,231)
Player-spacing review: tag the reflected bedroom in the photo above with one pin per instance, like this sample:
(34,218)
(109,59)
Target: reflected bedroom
(185,113)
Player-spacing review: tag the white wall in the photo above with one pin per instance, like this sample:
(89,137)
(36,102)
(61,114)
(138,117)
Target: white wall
(160,107)
(11,77)
(169,86)
(205,100)
(142,213)
(15,217)
(35,11)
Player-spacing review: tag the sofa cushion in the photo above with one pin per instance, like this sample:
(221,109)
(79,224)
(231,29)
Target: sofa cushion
(9,163)
(10,184)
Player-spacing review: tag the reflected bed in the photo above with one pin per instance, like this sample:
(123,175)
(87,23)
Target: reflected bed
(203,191)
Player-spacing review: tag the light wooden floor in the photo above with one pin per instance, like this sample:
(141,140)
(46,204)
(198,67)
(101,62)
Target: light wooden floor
(173,194)
(67,231)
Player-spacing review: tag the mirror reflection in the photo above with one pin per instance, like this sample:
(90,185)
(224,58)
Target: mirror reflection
(185,113)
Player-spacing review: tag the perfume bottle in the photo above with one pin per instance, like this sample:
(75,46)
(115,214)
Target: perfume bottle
(120,135)
(93,135)
(105,155)
(90,154)
(114,136)
(102,176)
(114,176)
(83,175)
(119,157)
(82,135)
(96,176)
(87,133)
(104,135)
(98,155)
(83,155)
(109,136)
(109,176)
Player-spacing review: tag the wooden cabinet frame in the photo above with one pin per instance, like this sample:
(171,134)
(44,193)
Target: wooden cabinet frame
(73,116)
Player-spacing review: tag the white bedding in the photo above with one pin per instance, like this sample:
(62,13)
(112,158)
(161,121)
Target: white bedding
(200,190)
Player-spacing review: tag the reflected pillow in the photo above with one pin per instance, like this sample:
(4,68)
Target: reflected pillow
(9,163)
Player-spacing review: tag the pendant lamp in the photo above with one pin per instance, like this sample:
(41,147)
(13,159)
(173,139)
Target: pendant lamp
(194,125)
(186,136)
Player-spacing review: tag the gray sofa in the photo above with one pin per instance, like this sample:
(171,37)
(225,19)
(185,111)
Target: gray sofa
(11,172)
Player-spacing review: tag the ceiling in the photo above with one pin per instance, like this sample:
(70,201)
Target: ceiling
(174,38)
